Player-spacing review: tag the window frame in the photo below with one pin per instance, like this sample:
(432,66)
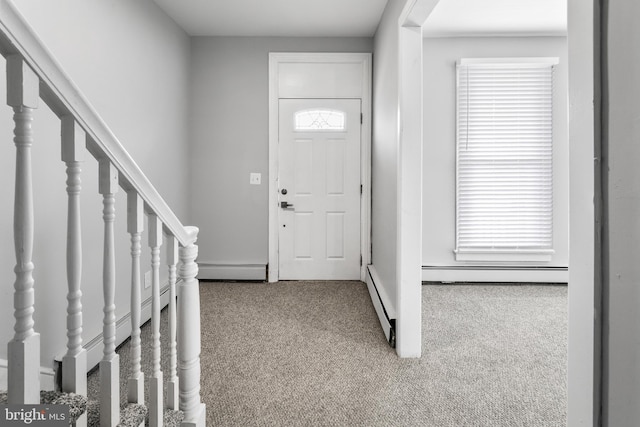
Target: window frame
(501,254)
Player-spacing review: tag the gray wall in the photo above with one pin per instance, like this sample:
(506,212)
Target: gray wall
(384,150)
(622,195)
(439,184)
(131,62)
(230,139)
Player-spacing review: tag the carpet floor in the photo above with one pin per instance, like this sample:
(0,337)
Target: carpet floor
(313,354)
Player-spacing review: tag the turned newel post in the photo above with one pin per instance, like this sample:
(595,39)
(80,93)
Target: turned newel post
(135,226)
(189,335)
(110,363)
(74,363)
(23,351)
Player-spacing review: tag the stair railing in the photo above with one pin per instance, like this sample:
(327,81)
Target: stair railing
(33,74)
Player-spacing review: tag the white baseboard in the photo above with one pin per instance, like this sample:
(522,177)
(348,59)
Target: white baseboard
(382,304)
(47,377)
(94,347)
(496,274)
(209,271)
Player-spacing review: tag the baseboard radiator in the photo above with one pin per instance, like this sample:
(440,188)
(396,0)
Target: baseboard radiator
(241,272)
(495,274)
(382,305)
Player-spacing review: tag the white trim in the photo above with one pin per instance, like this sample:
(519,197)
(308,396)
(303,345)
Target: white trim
(384,309)
(504,255)
(210,271)
(584,370)
(47,377)
(409,183)
(123,329)
(275,58)
(516,62)
(495,274)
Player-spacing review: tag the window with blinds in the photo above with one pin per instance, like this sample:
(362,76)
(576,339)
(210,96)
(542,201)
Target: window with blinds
(504,159)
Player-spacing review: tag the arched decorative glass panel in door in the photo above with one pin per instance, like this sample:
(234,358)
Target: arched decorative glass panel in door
(318,119)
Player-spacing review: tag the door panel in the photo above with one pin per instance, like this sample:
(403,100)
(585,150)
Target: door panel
(319,177)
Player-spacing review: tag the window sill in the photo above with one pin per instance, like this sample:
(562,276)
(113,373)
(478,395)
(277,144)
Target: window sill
(505,255)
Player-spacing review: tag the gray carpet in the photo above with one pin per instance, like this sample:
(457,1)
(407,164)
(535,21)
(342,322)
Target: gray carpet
(313,354)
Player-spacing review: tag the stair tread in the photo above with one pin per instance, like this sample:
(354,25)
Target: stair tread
(76,402)
(172,418)
(132,415)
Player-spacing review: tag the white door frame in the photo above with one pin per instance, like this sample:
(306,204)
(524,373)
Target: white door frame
(364,60)
(583,393)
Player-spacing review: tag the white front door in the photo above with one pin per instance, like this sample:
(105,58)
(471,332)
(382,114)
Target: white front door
(319,189)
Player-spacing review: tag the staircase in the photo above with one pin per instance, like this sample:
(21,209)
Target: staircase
(33,76)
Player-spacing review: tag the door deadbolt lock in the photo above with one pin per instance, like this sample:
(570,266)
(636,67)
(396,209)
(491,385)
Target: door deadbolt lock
(283,191)
(286,205)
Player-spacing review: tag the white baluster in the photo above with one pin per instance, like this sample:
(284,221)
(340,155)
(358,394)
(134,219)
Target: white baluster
(74,363)
(24,349)
(135,226)
(110,363)
(189,336)
(172,384)
(155,385)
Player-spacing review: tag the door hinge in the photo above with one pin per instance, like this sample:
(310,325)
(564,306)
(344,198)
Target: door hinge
(360,260)
(361,118)
(361,189)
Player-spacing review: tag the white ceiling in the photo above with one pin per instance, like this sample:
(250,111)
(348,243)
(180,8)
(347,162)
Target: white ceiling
(286,18)
(497,17)
(359,18)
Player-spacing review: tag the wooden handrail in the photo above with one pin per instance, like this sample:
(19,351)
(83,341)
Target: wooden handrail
(59,92)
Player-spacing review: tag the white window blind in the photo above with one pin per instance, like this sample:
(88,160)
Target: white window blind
(504,156)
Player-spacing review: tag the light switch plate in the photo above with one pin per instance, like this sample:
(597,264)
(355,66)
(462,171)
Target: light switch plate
(255,178)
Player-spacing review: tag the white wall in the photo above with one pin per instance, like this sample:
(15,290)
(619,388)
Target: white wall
(622,216)
(230,135)
(132,63)
(440,56)
(583,388)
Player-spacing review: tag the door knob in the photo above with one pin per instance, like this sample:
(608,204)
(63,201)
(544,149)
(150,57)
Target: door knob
(285,205)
